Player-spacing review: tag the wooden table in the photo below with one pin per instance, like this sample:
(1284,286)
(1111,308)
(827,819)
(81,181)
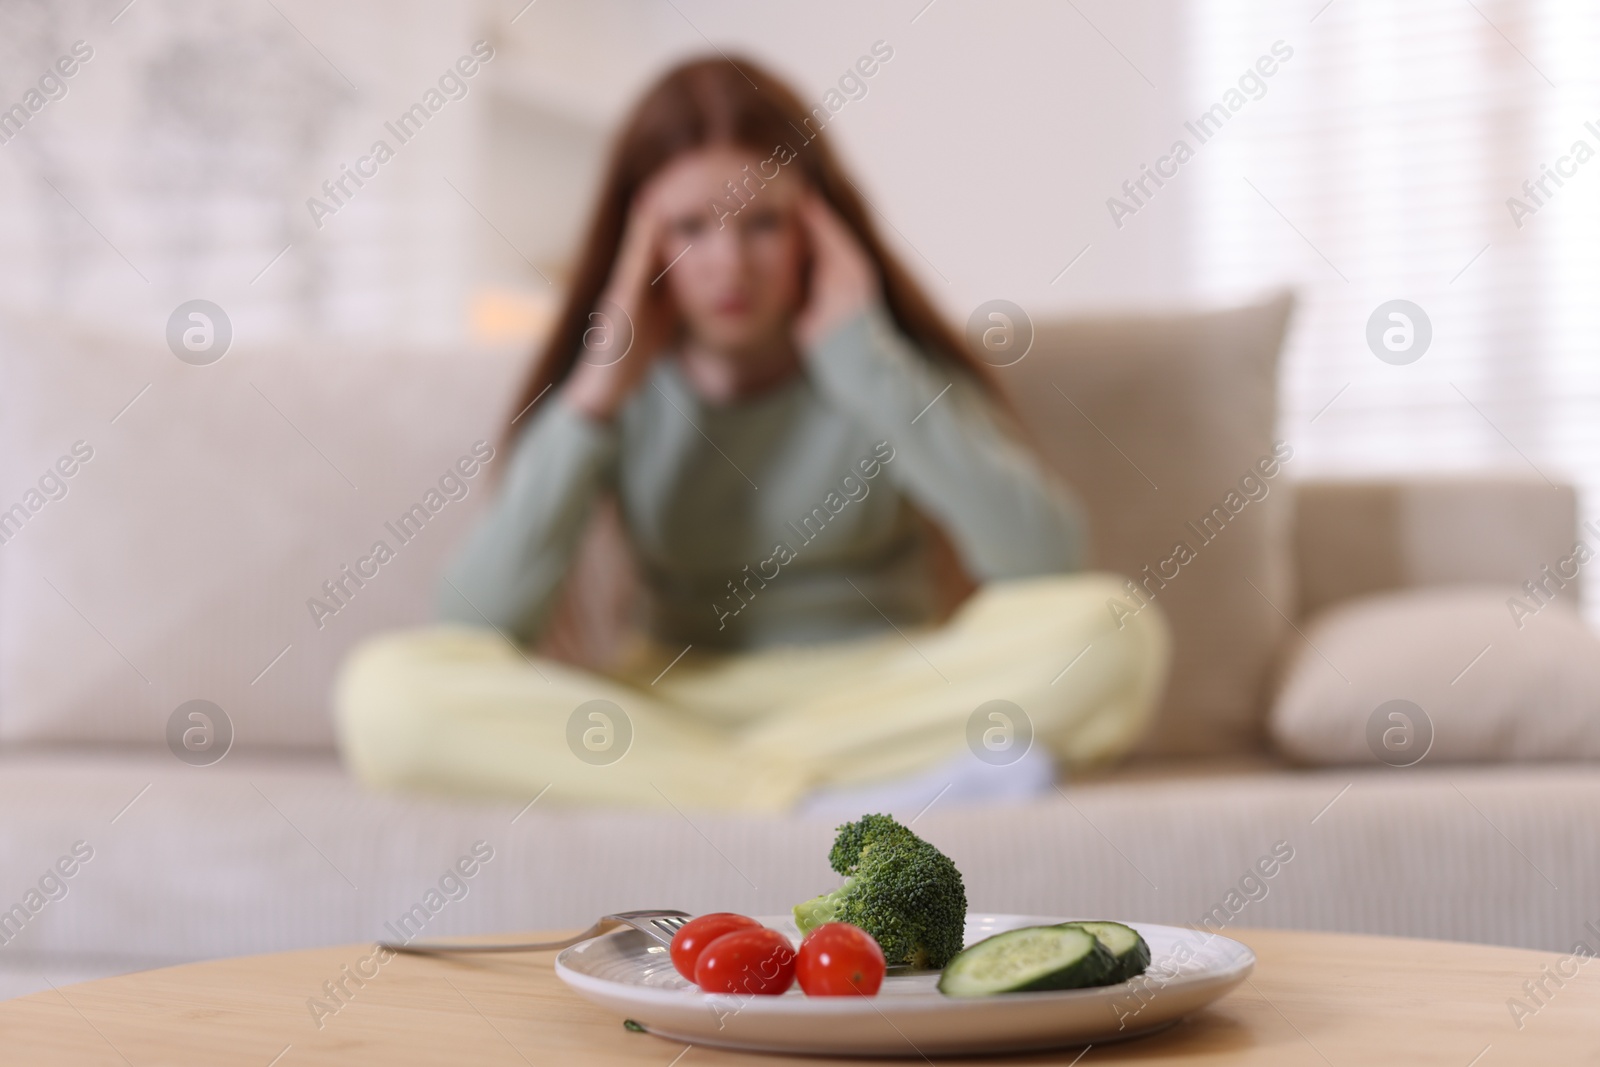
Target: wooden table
(1315,999)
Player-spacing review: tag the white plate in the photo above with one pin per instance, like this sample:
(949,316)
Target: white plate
(629,974)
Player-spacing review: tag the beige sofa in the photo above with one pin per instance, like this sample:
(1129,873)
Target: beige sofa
(179,562)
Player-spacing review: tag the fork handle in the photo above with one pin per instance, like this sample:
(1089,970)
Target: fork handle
(436,948)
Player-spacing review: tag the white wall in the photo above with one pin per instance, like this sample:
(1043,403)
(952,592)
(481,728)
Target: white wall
(184,152)
(989,142)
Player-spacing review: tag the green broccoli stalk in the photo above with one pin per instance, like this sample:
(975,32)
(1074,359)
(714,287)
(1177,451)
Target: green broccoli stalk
(904,892)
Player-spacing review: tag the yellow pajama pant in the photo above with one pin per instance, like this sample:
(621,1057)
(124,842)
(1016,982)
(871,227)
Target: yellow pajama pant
(459,709)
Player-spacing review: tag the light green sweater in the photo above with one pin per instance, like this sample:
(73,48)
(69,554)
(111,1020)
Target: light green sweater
(785,518)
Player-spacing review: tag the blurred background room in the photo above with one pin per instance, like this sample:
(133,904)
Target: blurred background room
(363,332)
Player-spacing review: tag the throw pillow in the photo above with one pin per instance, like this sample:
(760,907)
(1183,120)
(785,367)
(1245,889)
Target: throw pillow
(1453,673)
(1163,425)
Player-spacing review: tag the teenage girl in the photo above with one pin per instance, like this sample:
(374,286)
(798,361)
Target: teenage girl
(789,432)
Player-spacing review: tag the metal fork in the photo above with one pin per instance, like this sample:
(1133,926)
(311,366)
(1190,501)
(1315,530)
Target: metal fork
(657,924)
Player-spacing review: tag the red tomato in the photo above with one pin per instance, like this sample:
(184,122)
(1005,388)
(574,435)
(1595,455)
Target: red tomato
(759,961)
(693,937)
(839,960)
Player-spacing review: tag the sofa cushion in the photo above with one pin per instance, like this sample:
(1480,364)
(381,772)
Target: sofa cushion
(1450,673)
(1157,422)
(183,559)
(257,854)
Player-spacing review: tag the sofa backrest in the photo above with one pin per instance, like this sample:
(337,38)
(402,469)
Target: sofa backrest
(186,556)
(1360,536)
(190,554)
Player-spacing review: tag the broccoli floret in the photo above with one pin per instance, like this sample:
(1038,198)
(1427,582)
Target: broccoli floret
(846,851)
(904,892)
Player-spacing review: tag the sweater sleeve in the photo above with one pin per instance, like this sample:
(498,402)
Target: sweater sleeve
(510,570)
(1007,516)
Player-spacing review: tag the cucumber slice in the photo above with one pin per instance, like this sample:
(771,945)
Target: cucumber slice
(1124,943)
(1032,958)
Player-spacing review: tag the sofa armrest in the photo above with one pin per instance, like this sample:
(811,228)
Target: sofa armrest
(1357,537)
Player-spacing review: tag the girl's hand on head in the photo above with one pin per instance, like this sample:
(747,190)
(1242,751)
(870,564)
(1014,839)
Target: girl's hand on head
(634,319)
(843,280)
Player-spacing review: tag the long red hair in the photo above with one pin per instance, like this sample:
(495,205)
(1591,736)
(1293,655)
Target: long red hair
(709,101)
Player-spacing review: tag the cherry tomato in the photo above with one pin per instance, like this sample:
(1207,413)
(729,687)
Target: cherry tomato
(839,960)
(759,961)
(693,937)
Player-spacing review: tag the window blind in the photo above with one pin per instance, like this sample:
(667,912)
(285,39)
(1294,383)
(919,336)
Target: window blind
(1387,160)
